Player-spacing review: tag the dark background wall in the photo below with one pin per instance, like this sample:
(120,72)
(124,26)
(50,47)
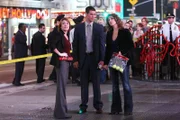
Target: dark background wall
(147,9)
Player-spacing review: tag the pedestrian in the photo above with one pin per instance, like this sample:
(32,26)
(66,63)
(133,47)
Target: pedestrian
(170,32)
(119,40)
(12,49)
(38,47)
(137,66)
(144,21)
(75,71)
(52,36)
(20,51)
(88,51)
(61,47)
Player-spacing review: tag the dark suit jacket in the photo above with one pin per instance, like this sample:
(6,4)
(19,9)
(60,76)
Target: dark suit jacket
(38,45)
(20,45)
(52,36)
(125,44)
(58,43)
(79,43)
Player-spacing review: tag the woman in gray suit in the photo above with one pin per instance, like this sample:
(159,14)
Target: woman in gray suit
(61,47)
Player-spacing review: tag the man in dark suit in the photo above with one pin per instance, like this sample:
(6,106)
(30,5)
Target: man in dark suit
(88,52)
(20,51)
(38,47)
(51,36)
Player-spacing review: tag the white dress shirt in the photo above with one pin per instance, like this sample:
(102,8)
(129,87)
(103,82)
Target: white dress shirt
(166,31)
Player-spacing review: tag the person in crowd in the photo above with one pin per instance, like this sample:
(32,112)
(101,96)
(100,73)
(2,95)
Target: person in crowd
(20,51)
(131,26)
(75,71)
(61,46)
(88,53)
(144,22)
(137,67)
(128,26)
(104,72)
(12,49)
(119,40)
(170,32)
(138,32)
(38,47)
(51,37)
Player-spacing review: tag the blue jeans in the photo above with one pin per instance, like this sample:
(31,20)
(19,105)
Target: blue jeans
(116,98)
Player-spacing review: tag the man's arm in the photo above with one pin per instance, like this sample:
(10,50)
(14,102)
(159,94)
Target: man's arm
(102,43)
(75,46)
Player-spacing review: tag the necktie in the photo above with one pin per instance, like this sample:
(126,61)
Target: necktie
(170,37)
(89,39)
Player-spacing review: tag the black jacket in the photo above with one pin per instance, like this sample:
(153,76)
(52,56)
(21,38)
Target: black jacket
(38,45)
(79,43)
(58,43)
(125,44)
(20,45)
(51,37)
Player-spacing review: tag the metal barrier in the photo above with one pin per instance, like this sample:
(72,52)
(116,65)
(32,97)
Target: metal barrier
(154,51)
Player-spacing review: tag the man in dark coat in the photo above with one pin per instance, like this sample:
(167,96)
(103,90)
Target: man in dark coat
(51,36)
(20,51)
(88,53)
(38,47)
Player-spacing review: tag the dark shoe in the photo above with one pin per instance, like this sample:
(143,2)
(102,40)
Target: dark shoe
(41,81)
(17,84)
(127,113)
(81,111)
(99,111)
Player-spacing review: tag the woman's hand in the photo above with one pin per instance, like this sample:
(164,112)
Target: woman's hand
(105,67)
(63,54)
(119,53)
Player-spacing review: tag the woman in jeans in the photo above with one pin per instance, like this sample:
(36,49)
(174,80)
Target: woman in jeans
(61,47)
(119,40)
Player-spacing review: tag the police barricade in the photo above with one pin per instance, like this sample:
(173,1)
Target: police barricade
(25,59)
(158,59)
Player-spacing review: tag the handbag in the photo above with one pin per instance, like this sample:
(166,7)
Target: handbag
(66,58)
(118,62)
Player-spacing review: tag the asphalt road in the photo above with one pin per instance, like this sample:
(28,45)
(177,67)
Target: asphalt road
(7,71)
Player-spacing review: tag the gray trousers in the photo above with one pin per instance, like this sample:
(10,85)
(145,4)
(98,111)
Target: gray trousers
(60,109)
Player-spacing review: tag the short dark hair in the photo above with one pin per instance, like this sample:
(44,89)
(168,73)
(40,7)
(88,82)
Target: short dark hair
(20,26)
(145,19)
(90,8)
(41,25)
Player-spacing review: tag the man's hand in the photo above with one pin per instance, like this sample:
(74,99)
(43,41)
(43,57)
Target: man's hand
(76,64)
(105,67)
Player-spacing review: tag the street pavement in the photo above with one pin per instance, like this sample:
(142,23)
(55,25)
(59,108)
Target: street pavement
(7,72)
(152,101)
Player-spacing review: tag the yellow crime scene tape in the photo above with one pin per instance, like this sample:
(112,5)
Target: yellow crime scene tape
(25,59)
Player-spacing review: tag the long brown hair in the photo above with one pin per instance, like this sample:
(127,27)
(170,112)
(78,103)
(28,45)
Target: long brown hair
(60,24)
(117,19)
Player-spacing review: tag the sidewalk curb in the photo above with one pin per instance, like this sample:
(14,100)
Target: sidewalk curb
(6,89)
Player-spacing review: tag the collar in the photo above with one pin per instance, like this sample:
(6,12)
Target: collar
(86,23)
(22,32)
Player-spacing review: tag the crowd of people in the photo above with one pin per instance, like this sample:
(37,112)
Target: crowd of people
(92,44)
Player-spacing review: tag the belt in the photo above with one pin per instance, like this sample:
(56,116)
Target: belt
(89,53)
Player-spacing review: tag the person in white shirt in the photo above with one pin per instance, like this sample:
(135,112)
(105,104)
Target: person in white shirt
(77,20)
(165,30)
(170,32)
(139,32)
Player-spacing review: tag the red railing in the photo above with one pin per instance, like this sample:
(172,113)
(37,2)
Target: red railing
(154,47)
